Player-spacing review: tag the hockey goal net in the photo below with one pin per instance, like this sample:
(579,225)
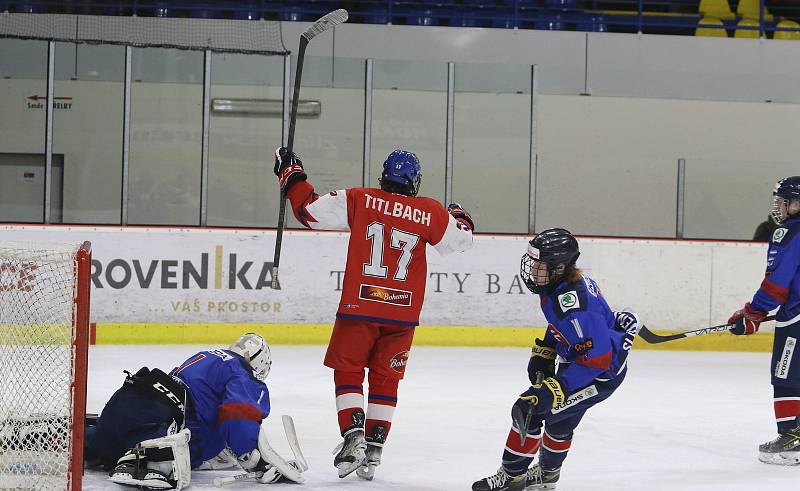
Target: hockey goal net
(44,337)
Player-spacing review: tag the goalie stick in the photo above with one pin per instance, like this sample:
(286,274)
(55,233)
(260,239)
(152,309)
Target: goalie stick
(324,23)
(653,338)
(291,437)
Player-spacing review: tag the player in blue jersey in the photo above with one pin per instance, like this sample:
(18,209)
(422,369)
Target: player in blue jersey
(158,427)
(781,290)
(580,361)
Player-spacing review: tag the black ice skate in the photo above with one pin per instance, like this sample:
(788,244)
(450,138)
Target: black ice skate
(351,453)
(500,482)
(784,450)
(538,478)
(374,449)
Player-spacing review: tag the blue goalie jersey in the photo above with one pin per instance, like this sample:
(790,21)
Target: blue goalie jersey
(227,404)
(582,328)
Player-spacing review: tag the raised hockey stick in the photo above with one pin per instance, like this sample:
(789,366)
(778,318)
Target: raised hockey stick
(325,22)
(653,338)
(294,444)
(222,481)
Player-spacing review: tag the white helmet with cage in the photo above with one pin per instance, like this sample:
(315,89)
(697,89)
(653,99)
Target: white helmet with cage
(255,350)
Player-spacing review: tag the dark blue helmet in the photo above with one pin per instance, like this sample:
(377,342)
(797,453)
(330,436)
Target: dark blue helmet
(402,169)
(550,255)
(786,190)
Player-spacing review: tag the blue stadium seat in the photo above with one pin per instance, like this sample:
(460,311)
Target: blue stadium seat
(205,11)
(164,9)
(375,13)
(472,16)
(417,14)
(550,24)
(591,23)
(246,11)
(560,4)
(30,8)
(296,12)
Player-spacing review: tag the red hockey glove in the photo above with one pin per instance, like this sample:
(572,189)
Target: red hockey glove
(746,320)
(461,215)
(288,168)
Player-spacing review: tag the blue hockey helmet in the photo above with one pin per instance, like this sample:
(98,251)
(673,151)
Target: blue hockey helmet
(403,170)
(785,199)
(550,255)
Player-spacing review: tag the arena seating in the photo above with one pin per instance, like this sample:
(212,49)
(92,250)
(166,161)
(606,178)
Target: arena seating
(688,17)
(708,28)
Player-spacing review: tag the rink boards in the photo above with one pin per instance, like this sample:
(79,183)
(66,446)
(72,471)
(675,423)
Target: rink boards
(169,285)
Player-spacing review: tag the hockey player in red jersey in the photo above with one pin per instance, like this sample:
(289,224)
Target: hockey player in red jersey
(382,292)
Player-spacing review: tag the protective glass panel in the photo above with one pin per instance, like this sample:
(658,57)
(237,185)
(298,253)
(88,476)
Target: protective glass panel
(728,199)
(166,133)
(246,125)
(409,111)
(330,140)
(23,84)
(491,147)
(87,131)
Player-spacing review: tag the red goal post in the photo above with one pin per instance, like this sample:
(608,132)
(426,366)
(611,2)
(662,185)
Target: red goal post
(44,345)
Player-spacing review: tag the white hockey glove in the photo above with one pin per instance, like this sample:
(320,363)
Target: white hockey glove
(225,460)
(253,461)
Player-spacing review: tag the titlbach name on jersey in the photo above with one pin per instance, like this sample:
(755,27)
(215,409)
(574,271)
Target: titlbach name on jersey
(400,210)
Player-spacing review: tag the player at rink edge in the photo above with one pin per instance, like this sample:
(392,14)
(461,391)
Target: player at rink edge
(205,414)
(580,361)
(780,290)
(382,292)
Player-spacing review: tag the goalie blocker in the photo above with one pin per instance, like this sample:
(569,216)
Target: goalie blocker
(157,427)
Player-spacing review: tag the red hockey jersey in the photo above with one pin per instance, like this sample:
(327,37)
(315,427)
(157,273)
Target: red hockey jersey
(386,270)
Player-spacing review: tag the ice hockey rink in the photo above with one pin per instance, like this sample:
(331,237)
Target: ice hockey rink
(681,420)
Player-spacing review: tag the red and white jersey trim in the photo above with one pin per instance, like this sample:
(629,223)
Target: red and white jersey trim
(329,211)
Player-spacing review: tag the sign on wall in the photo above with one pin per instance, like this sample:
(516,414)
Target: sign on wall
(209,276)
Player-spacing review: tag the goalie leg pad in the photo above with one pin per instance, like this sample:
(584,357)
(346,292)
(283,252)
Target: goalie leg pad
(159,463)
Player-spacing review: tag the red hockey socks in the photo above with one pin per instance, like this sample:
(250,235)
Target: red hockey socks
(517,457)
(381,402)
(787,407)
(349,398)
(554,450)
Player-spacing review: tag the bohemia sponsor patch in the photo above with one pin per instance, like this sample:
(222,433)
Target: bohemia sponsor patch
(399,361)
(382,294)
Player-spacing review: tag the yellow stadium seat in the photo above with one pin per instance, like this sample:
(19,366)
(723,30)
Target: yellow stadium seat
(716,8)
(711,32)
(750,9)
(788,35)
(747,33)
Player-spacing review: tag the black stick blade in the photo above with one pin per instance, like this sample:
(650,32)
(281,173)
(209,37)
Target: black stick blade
(653,338)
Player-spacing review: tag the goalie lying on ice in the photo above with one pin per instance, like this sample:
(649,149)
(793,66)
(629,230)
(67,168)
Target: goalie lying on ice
(157,427)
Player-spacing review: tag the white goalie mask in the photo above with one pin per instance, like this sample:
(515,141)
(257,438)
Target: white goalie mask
(255,350)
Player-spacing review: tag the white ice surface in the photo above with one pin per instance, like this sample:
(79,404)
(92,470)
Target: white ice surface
(681,420)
